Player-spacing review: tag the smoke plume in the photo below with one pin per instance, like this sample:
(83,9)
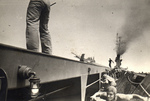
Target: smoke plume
(137,21)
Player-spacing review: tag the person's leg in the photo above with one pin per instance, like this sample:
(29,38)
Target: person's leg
(32,24)
(110,65)
(44,32)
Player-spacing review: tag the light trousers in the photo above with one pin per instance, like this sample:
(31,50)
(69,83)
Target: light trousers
(37,26)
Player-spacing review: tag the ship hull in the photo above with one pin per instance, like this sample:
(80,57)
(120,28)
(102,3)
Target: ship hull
(60,78)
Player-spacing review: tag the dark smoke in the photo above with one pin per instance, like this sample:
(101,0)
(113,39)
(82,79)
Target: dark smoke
(136,22)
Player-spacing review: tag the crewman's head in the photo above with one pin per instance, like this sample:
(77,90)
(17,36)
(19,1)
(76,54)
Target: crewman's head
(104,79)
(111,93)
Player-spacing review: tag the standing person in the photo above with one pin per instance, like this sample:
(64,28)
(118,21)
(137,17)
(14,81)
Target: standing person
(37,25)
(110,61)
(112,95)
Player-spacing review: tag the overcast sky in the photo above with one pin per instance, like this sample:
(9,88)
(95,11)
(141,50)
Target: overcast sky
(87,26)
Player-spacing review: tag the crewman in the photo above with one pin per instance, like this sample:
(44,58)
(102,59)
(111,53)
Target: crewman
(107,81)
(110,61)
(82,58)
(112,95)
(37,19)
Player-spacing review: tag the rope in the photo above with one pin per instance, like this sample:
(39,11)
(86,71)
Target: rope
(2,77)
(132,81)
(45,95)
(140,86)
(144,90)
(93,83)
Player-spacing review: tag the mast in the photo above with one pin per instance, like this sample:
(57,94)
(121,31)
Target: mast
(118,60)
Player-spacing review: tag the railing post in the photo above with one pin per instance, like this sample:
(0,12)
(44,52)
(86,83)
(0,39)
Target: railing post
(100,81)
(83,86)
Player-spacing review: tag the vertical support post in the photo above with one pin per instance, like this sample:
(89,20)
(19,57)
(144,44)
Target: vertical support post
(100,81)
(83,86)
(4,85)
